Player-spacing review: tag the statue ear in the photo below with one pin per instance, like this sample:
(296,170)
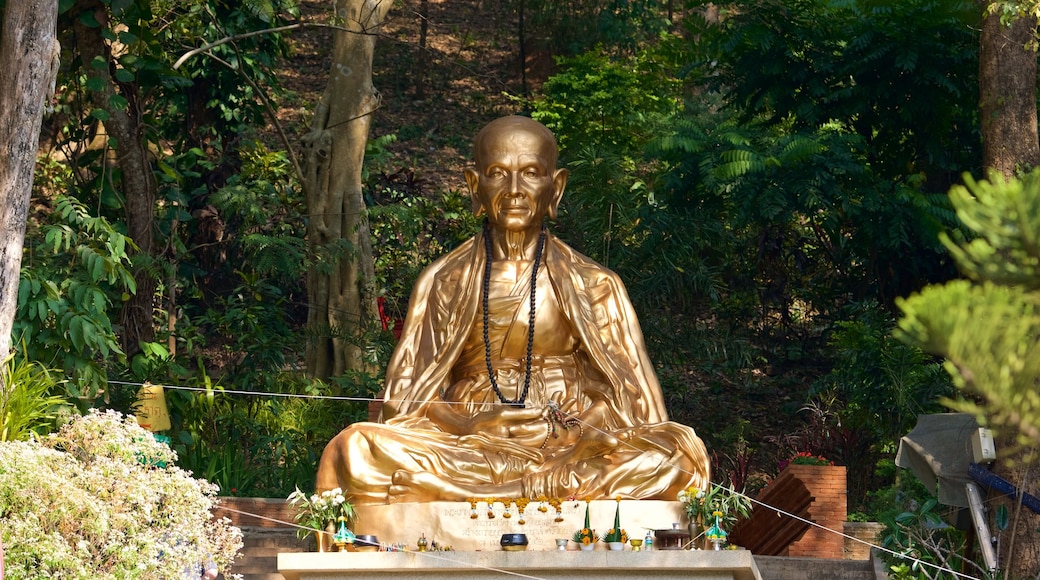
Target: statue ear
(472,181)
(559,184)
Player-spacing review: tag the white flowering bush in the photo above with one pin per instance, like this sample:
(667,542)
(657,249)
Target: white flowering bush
(102,499)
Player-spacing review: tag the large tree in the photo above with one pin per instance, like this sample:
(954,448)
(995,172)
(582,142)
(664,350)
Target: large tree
(1007,88)
(340,306)
(1007,99)
(126,129)
(28,63)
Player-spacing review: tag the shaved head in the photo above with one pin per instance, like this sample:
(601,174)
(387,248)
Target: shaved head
(505,126)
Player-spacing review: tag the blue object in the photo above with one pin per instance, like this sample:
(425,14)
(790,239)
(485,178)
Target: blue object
(343,535)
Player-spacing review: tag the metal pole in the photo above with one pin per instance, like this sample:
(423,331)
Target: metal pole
(978,517)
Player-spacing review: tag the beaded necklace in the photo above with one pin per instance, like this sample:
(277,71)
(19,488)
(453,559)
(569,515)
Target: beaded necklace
(520,400)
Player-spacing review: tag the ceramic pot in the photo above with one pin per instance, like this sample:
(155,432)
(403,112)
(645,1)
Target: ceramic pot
(616,546)
(587,547)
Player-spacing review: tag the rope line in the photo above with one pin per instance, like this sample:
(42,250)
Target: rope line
(906,557)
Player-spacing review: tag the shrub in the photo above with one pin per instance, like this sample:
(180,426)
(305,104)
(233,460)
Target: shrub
(29,399)
(101,498)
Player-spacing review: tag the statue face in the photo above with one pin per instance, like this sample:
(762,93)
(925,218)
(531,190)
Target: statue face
(515,180)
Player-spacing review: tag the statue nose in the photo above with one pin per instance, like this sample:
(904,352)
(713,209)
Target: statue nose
(514,185)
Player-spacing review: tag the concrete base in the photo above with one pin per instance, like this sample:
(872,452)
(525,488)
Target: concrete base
(661,565)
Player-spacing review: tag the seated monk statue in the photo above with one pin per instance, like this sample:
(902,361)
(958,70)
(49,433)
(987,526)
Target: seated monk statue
(521,370)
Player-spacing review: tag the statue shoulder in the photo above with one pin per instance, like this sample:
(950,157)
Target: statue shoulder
(448,267)
(591,271)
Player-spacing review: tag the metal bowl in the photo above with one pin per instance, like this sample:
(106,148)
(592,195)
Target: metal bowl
(514,542)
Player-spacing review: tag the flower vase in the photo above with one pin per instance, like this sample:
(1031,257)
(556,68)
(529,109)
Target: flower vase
(587,547)
(616,546)
(324,538)
(695,534)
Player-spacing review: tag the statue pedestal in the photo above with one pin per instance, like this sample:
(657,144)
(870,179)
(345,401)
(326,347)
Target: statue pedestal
(451,524)
(571,565)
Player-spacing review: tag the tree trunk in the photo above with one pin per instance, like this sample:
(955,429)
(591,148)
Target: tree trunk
(341,306)
(137,181)
(1007,95)
(1007,101)
(28,63)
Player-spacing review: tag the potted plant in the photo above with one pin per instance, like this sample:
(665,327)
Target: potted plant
(318,514)
(806,458)
(586,537)
(616,538)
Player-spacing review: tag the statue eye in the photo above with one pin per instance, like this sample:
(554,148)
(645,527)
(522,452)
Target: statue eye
(532,173)
(496,173)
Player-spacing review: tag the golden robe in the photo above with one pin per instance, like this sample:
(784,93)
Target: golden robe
(589,356)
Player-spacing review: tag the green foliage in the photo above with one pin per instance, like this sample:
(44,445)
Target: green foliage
(410,228)
(872,396)
(918,540)
(1003,215)
(604,102)
(261,446)
(31,398)
(76,272)
(900,75)
(884,382)
(569,28)
(987,329)
(747,234)
(90,501)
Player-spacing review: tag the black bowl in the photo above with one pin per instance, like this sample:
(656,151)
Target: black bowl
(514,542)
(366,543)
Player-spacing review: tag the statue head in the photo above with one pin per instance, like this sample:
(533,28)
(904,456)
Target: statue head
(515,180)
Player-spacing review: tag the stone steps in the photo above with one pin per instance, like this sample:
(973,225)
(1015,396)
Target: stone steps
(260,549)
(784,568)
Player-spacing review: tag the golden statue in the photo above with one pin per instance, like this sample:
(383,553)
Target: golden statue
(521,370)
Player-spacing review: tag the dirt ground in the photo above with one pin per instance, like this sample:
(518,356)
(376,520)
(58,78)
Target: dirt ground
(472,75)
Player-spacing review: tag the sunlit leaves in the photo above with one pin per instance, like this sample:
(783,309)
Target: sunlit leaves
(79,272)
(987,329)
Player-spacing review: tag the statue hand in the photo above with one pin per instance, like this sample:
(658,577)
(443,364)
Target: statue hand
(507,422)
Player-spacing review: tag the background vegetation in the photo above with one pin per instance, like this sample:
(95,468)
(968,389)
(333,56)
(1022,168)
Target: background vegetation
(750,178)
(768,177)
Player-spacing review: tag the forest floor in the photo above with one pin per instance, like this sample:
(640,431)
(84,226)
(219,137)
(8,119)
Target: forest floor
(471,75)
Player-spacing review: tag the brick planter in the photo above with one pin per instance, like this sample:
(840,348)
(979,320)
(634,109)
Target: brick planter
(827,484)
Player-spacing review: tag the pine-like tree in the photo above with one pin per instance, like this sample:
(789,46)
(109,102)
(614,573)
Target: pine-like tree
(988,325)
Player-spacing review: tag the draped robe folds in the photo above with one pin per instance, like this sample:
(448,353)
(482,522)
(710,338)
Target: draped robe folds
(639,454)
